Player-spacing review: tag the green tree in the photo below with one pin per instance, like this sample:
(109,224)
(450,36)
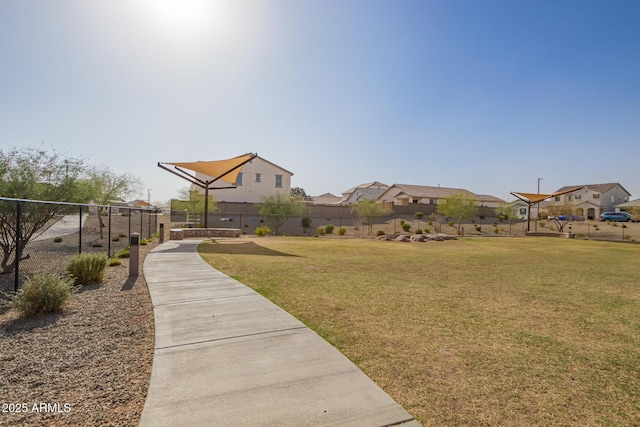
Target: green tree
(279,207)
(299,193)
(104,187)
(459,206)
(506,210)
(368,210)
(419,215)
(35,174)
(193,202)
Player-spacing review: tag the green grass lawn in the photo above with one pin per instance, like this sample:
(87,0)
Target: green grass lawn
(500,331)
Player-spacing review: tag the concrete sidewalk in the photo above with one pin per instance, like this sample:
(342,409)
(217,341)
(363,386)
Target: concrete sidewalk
(226,356)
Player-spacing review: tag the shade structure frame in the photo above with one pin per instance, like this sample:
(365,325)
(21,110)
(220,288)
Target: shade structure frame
(219,170)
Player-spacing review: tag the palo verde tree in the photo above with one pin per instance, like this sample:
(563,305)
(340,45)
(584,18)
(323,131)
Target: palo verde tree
(368,210)
(560,215)
(506,210)
(279,207)
(34,174)
(193,202)
(104,186)
(459,206)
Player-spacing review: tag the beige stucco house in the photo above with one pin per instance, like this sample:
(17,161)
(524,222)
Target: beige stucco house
(406,194)
(257,179)
(590,200)
(370,190)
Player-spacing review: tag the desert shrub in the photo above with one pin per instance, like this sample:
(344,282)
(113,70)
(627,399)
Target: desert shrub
(418,231)
(88,268)
(320,231)
(478,228)
(144,242)
(114,262)
(123,253)
(342,231)
(57,239)
(402,222)
(306,222)
(379,233)
(115,239)
(329,228)
(481,216)
(450,223)
(43,293)
(427,230)
(406,226)
(262,231)
(121,235)
(496,230)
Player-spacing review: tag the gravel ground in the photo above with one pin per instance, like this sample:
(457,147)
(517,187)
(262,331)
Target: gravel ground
(86,366)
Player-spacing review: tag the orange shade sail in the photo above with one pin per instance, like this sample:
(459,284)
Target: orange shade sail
(225,170)
(537,198)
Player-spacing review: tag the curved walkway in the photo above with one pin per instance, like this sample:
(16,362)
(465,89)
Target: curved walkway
(225,355)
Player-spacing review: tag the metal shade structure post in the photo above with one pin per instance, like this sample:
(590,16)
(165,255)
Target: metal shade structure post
(218,170)
(534,199)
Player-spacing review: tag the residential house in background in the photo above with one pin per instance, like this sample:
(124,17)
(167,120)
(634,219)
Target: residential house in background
(406,194)
(590,200)
(489,201)
(370,190)
(257,179)
(326,199)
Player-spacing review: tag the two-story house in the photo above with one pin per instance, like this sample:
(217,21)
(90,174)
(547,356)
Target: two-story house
(590,200)
(257,179)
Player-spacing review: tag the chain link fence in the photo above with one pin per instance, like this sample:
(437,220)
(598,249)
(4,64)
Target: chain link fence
(42,237)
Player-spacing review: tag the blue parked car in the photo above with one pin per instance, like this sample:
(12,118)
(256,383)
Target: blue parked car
(615,216)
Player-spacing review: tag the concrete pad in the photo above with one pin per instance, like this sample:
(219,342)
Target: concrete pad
(225,355)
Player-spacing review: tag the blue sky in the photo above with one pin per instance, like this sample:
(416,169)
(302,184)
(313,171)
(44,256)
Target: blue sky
(483,95)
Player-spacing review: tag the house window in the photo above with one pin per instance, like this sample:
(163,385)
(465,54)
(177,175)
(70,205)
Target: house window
(523,211)
(596,196)
(557,198)
(433,202)
(258,177)
(569,198)
(578,196)
(613,198)
(239,180)
(278,181)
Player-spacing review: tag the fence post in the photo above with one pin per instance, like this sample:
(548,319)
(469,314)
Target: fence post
(108,234)
(18,252)
(134,253)
(80,232)
(161,232)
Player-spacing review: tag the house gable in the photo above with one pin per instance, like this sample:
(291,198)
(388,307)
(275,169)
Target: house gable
(257,179)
